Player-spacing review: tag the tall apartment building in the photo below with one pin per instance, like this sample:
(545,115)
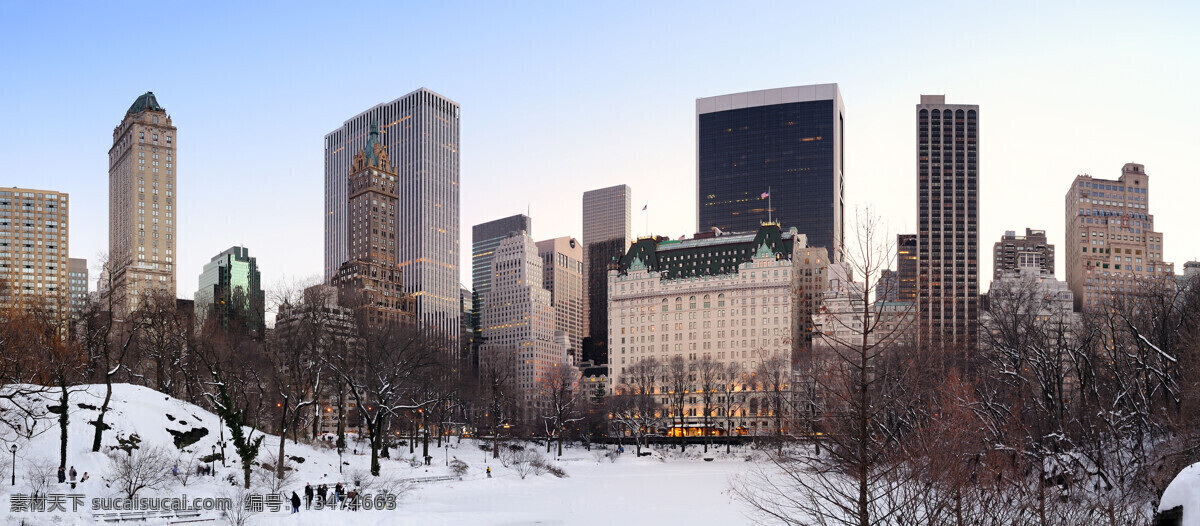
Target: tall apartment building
(142,168)
(1112,247)
(785,142)
(607,233)
(421,133)
(77,286)
(370,281)
(562,275)
(485,237)
(518,320)
(948,222)
(231,289)
(1033,244)
(731,298)
(34,247)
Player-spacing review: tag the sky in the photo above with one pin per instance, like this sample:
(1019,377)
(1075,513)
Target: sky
(562,97)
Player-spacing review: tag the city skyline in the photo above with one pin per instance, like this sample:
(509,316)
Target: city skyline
(585,134)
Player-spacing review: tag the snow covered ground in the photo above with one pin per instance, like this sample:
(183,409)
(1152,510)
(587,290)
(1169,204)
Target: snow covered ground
(596,491)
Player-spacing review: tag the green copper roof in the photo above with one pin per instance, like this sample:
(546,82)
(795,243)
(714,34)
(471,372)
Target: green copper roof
(709,255)
(369,147)
(146,102)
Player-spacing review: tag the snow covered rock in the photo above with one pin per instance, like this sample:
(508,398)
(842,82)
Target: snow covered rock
(1183,492)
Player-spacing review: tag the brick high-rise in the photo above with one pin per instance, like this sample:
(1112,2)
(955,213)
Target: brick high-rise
(142,165)
(370,282)
(948,223)
(34,266)
(421,133)
(1112,247)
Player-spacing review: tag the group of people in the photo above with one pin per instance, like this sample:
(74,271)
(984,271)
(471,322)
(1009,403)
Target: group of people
(62,476)
(340,497)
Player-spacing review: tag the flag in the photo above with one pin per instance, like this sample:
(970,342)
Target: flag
(765,195)
(644,207)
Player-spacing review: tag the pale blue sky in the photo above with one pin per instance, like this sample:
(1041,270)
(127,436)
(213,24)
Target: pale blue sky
(559,97)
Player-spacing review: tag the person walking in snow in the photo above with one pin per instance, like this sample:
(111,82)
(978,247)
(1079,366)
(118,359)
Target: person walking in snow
(295,503)
(322,491)
(308,496)
(62,475)
(84,478)
(73,475)
(489,472)
(338,491)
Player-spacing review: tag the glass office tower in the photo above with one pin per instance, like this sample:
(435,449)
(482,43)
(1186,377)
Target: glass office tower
(773,155)
(231,288)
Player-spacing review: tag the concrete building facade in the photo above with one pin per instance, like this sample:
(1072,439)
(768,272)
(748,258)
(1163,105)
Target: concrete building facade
(485,238)
(518,321)
(142,169)
(562,275)
(731,298)
(1112,246)
(1012,247)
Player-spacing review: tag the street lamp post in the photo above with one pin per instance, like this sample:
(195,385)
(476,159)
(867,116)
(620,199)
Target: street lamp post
(14,473)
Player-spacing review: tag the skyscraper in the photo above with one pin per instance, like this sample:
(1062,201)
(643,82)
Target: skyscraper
(485,237)
(948,222)
(370,282)
(562,275)
(518,319)
(141,204)
(1009,250)
(34,266)
(1112,247)
(231,289)
(421,133)
(773,154)
(606,235)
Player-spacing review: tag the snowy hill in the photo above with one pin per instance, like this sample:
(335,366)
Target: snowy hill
(598,489)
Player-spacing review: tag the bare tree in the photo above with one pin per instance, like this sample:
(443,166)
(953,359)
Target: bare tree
(861,479)
(109,342)
(678,386)
(708,374)
(561,393)
(143,468)
(497,386)
(729,402)
(634,406)
(389,376)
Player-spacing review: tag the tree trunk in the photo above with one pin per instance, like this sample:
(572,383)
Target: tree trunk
(246,467)
(62,423)
(374,447)
(99,423)
(282,441)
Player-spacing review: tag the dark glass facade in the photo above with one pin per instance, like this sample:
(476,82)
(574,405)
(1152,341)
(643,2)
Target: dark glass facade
(948,219)
(793,149)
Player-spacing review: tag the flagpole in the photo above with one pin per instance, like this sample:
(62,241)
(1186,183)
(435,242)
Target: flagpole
(768,204)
